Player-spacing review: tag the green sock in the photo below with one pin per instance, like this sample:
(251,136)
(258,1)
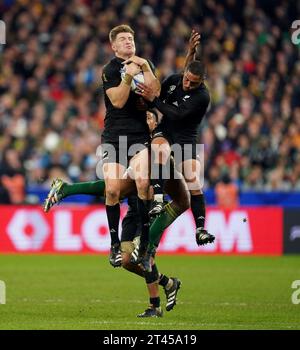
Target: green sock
(161,223)
(92,187)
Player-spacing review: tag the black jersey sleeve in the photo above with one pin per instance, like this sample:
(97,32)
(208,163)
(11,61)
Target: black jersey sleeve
(195,103)
(111,76)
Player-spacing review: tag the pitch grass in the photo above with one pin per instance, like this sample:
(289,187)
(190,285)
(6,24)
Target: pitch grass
(85,292)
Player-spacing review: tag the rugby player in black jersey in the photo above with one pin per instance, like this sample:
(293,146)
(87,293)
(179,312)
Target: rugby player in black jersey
(124,126)
(131,226)
(183,101)
(171,212)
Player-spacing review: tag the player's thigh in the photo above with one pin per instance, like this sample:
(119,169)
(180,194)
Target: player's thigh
(192,171)
(113,175)
(113,171)
(139,165)
(160,150)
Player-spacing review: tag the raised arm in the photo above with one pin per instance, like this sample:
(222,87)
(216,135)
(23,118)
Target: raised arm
(194,49)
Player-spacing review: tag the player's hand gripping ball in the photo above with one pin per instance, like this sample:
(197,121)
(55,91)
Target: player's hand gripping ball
(138,78)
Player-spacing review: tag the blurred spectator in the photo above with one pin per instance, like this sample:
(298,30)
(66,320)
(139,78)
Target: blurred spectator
(227,193)
(12,176)
(4,195)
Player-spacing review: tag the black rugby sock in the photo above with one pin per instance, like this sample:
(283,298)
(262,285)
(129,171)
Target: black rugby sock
(113,218)
(163,280)
(143,209)
(198,209)
(155,302)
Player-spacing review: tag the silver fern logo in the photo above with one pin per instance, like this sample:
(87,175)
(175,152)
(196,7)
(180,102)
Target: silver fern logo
(2,33)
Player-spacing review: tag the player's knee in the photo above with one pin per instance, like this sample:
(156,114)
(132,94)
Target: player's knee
(152,276)
(161,153)
(194,185)
(112,194)
(196,192)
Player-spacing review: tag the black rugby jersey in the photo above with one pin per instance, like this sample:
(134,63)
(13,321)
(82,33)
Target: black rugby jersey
(182,110)
(128,121)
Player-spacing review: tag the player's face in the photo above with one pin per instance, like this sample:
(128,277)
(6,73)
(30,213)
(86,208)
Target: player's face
(124,45)
(151,121)
(190,81)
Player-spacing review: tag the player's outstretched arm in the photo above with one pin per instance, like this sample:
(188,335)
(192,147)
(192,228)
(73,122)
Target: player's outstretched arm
(194,48)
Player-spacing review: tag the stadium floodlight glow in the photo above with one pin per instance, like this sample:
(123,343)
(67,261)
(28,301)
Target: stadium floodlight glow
(296,34)
(2,292)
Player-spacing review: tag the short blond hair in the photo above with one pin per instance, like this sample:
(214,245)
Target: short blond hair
(123,28)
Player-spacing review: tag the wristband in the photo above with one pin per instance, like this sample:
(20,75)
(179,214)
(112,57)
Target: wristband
(127,79)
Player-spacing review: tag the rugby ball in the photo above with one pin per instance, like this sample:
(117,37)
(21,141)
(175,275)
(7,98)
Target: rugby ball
(138,78)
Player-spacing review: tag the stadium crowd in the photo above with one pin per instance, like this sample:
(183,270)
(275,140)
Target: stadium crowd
(51,101)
